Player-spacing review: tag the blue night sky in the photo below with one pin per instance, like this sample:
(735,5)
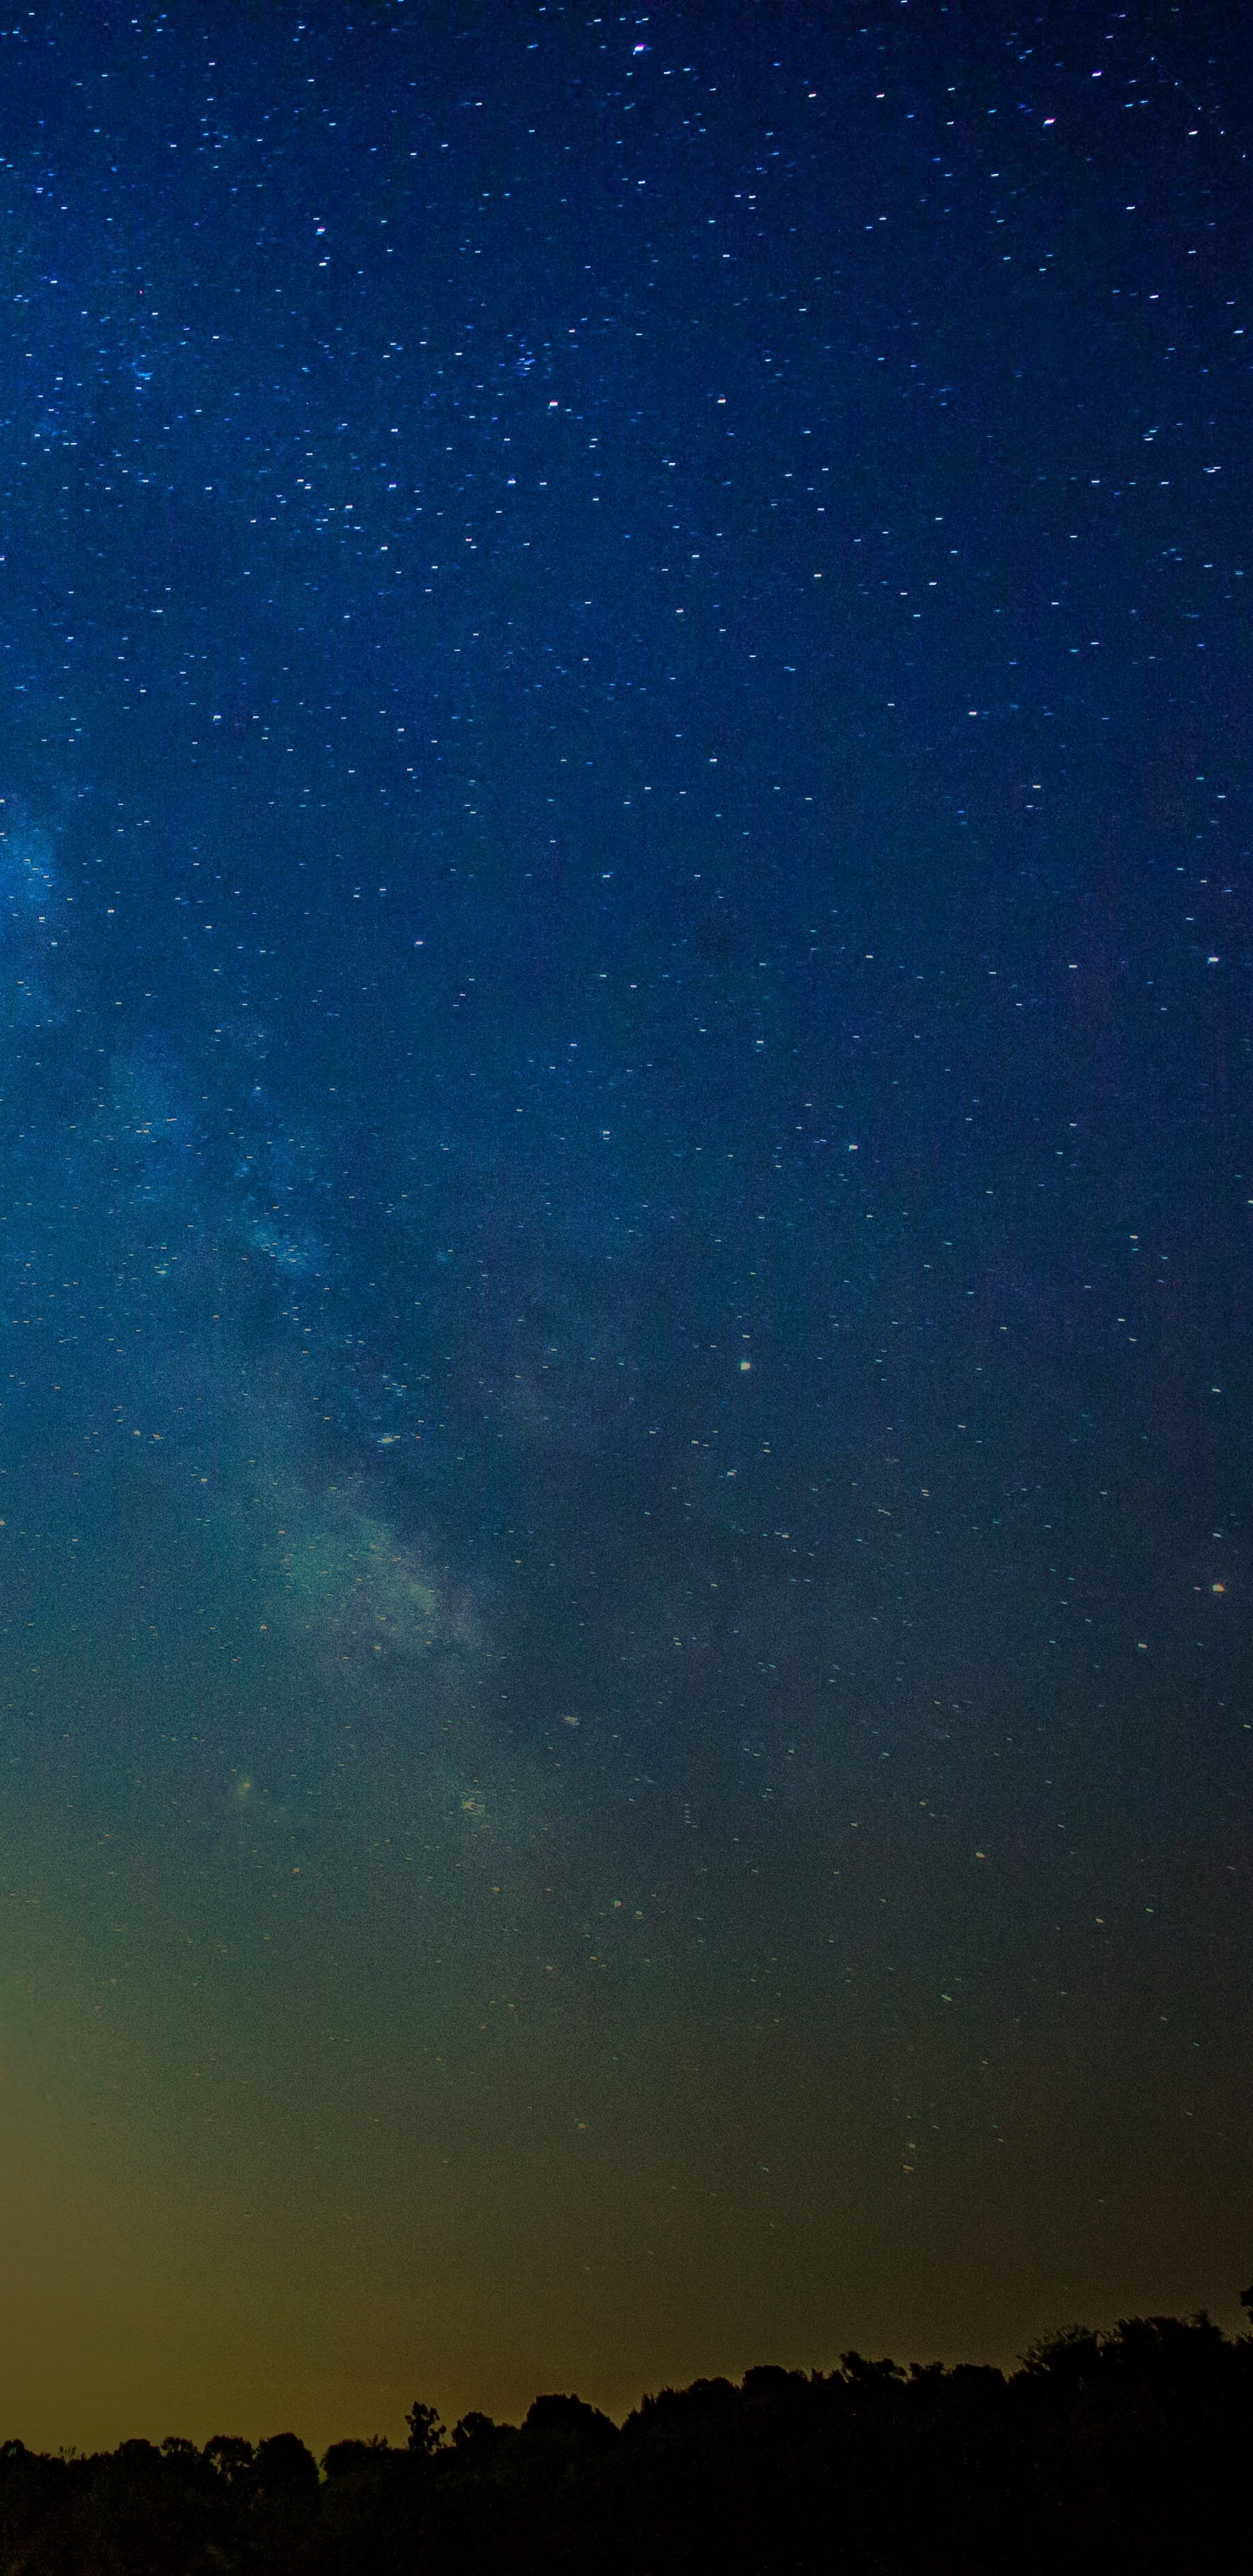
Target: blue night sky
(625,1171)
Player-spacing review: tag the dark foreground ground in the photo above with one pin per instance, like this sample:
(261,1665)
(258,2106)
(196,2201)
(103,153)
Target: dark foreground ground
(1128,2452)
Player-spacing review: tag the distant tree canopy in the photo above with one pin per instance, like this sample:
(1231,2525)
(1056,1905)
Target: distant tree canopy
(1127,2451)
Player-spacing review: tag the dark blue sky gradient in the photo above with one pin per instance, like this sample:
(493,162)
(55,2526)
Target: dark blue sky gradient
(626,1180)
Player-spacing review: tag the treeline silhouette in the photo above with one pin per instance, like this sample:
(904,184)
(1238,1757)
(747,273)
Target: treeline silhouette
(1130,2453)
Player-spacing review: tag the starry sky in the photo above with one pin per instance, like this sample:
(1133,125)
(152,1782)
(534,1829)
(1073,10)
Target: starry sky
(625,1176)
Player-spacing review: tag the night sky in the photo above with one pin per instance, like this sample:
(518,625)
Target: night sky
(626,1179)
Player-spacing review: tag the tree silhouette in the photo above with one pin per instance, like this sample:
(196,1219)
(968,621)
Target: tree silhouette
(1102,2452)
(426,2432)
